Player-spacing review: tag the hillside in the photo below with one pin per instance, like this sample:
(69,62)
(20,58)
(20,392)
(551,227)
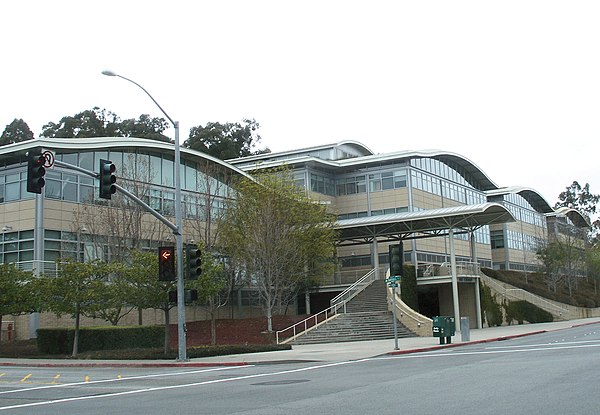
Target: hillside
(586,292)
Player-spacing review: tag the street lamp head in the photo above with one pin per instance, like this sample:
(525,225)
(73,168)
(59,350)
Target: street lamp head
(108,73)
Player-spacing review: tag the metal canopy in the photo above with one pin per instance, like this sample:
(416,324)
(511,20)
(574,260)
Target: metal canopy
(422,224)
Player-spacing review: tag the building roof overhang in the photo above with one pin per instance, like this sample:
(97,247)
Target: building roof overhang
(113,143)
(574,216)
(422,224)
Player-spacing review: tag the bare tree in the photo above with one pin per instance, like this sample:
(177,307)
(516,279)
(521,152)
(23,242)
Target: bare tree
(278,237)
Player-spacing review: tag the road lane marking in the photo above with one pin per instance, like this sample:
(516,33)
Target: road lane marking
(63,385)
(544,344)
(263,375)
(474,353)
(185,385)
(55,379)
(26,377)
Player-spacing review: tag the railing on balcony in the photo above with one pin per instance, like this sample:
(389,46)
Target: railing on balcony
(337,303)
(463,268)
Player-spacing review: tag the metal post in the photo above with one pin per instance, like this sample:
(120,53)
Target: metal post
(395,321)
(181,329)
(38,256)
(182,352)
(454,281)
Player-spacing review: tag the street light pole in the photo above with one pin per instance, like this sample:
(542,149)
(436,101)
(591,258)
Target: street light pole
(182,352)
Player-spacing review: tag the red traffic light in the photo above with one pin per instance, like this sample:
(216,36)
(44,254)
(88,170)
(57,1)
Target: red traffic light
(166,263)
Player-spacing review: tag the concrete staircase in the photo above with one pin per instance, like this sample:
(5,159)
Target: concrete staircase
(366,318)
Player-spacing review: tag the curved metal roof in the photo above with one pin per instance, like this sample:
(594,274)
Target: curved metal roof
(535,199)
(267,157)
(114,143)
(433,222)
(574,216)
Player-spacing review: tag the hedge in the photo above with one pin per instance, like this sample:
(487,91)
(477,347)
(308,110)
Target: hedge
(524,311)
(57,341)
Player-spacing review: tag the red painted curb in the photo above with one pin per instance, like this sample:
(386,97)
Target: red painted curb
(448,346)
(117,365)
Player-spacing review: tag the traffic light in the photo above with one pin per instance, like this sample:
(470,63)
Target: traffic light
(189,296)
(166,263)
(194,262)
(107,179)
(396,260)
(35,171)
(173,297)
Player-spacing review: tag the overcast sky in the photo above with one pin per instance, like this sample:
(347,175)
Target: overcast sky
(514,86)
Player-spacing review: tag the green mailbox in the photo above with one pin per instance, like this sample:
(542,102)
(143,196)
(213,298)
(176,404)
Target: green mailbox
(444,328)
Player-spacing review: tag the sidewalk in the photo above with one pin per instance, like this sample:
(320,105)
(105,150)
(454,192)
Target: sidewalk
(329,352)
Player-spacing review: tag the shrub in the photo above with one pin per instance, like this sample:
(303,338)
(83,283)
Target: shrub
(489,307)
(408,287)
(60,340)
(522,311)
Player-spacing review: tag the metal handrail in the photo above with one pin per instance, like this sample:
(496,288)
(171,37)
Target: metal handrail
(352,290)
(336,304)
(327,314)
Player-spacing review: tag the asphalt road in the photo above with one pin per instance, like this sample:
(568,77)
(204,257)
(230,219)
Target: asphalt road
(550,373)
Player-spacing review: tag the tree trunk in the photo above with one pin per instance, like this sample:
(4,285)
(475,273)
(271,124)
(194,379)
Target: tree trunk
(76,335)
(1,316)
(140,310)
(269,321)
(167,332)
(213,327)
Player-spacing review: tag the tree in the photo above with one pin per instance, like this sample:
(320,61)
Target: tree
(580,198)
(214,287)
(77,290)
(226,141)
(593,264)
(143,289)
(15,132)
(144,127)
(89,123)
(277,238)
(103,123)
(17,292)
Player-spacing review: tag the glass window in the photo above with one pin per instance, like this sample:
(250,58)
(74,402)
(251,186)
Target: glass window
(155,169)
(168,178)
(70,158)
(387,180)
(497,239)
(86,161)
(70,187)
(53,185)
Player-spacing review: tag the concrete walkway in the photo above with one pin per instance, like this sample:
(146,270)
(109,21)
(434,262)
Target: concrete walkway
(329,352)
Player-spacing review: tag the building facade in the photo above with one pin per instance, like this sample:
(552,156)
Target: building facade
(69,220)
(357,184)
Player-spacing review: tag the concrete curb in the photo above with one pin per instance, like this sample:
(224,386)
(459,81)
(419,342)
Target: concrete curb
(452,345)
(128,364)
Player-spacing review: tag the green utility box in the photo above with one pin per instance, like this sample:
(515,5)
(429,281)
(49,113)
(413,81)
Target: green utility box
(444,328)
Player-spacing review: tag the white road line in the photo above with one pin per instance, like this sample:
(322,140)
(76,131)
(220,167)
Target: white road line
(474,353)
(544,344)
(120,379)
(186,385)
